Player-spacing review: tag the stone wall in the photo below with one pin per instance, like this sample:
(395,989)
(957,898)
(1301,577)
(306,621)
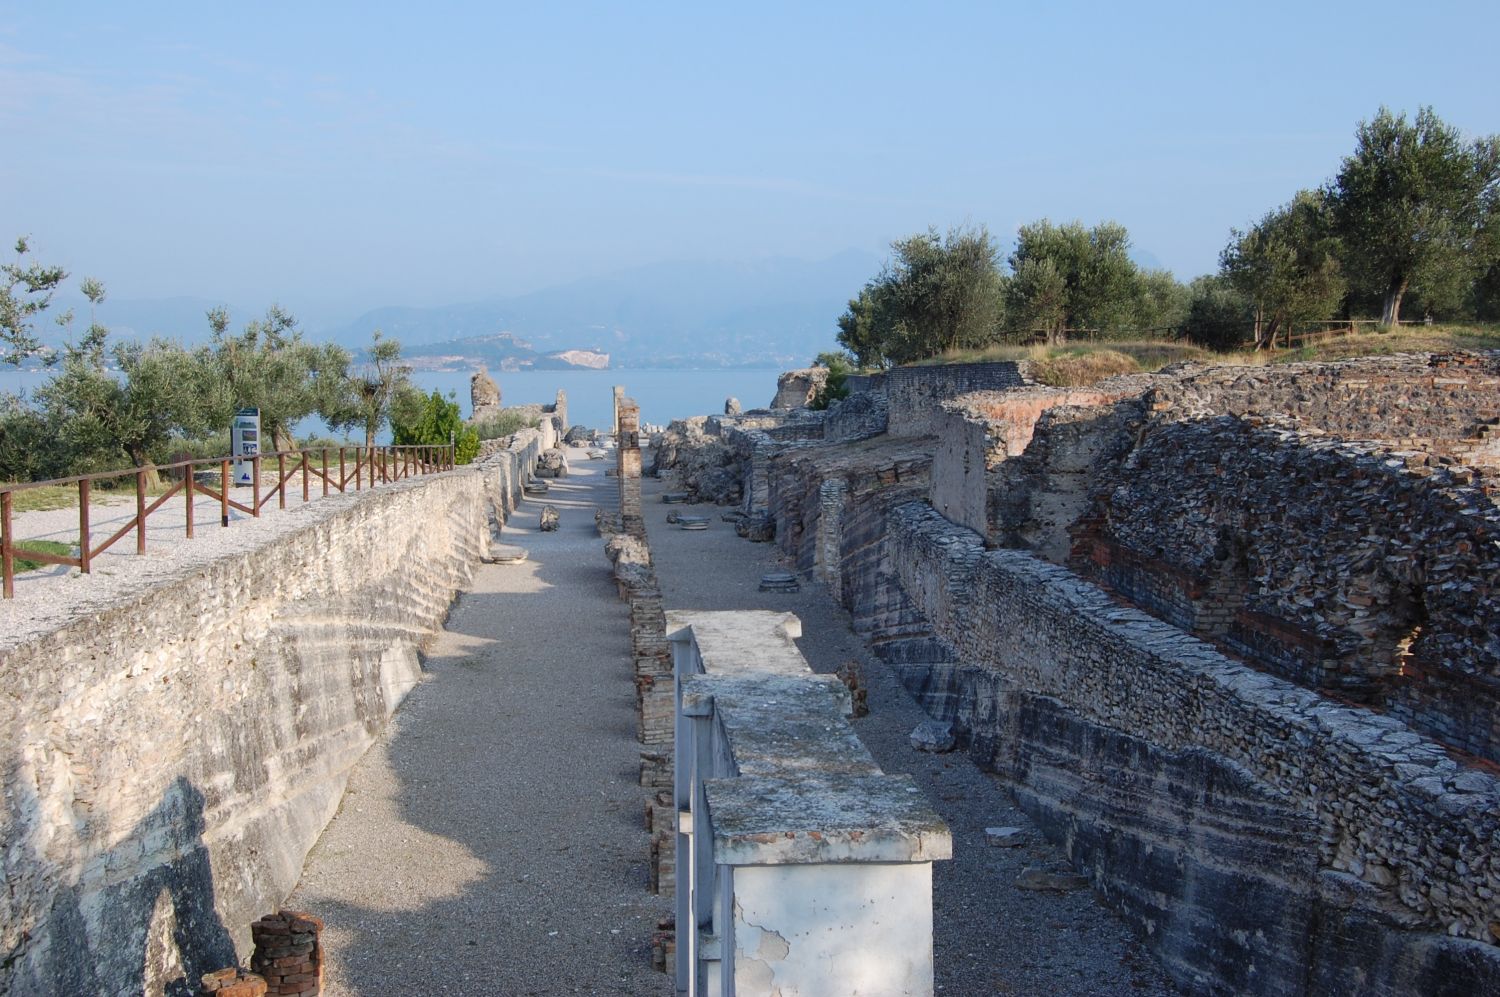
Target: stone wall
(628,466)
(169,760)
(913,394)
(1437,403)
(1214,805)
(1340,566)
(629,553)
(978,431)
(1263,838)
(511,459)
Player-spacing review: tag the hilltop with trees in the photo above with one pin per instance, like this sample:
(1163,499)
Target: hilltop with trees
(1409,224)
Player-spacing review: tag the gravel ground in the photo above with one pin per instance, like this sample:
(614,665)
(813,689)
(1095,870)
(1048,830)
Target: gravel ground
(52,595)
(991,937)
(492,841)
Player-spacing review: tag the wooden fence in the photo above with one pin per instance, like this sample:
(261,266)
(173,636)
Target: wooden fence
(355,466)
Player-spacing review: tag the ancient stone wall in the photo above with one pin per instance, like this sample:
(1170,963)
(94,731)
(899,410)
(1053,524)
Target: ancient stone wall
(629,553)
(857,417)
(913,394)
(170,759)
(628,466)
(510,459)
(1437,403)
(979,431)
(1264,838)
(1340,566)
(1256,824)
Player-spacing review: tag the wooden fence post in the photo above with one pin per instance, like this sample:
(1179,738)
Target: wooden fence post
(7,556)
(84,486)
(140,510)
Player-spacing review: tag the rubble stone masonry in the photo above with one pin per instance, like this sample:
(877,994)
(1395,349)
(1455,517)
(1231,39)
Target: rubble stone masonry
(1237,650)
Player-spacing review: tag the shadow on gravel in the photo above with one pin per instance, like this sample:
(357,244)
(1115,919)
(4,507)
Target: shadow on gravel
(519,752)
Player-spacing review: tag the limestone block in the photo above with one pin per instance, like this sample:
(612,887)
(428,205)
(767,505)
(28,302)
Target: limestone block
(549,521)
(933,735)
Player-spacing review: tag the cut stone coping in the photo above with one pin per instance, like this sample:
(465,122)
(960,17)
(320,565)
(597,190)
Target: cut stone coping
(780,581)
(673,498)
(781,724)
(723,637)
(807,821)
(535,488)
(693,522)
(505,554)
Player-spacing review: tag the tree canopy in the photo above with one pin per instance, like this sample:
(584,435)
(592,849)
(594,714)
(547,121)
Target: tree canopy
(1071,277)
(1286,266)
(1411,206)
(268,366)
(937,293)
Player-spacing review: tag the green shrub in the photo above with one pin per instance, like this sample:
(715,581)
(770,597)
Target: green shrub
(433,420)
(504,423)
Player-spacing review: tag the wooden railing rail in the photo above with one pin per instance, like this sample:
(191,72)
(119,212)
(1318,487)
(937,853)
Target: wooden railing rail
(372,466)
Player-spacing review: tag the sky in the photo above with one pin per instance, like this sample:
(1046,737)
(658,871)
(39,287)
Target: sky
(337,157)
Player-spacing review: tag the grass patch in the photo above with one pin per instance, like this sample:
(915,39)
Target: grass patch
(1406,339)
(46,547)
(1070,365)
(66,496)
(504,424)
(1070,370)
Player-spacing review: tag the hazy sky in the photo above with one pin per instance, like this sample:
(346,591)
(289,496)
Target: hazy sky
(341,156)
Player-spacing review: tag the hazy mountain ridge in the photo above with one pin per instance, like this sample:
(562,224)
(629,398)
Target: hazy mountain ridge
(770,312)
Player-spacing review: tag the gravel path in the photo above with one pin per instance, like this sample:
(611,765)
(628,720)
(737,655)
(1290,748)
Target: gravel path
(492,841)
(990,936)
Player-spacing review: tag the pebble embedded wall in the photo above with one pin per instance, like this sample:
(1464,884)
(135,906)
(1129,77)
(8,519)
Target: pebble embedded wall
(1338,565)
(171,758)
(1408,856)
(1439,403)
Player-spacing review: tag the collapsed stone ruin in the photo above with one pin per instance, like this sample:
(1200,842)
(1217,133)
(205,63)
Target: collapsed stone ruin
(1230,633)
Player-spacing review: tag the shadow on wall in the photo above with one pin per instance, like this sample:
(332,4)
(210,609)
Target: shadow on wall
(101,938)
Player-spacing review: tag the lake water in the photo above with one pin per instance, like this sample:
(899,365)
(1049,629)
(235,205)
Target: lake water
(664,395)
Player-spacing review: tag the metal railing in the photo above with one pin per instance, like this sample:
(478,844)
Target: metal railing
(355,466)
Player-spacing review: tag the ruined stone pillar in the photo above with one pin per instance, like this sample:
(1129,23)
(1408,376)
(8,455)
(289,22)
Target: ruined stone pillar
(288,954)
(628,472)
(619,397)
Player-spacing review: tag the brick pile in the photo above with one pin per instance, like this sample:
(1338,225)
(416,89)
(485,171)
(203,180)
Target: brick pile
(231,982)
(288,954)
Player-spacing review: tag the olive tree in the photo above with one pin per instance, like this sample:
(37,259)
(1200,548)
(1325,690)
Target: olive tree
(1410,206)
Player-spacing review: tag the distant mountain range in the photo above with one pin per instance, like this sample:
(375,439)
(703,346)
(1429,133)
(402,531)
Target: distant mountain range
(778,312)
(696,314)
(770,313)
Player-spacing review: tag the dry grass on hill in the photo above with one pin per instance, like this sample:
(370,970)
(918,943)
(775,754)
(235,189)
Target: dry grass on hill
(1075,364)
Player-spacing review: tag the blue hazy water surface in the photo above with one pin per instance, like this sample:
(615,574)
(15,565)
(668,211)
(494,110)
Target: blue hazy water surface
(664,395)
